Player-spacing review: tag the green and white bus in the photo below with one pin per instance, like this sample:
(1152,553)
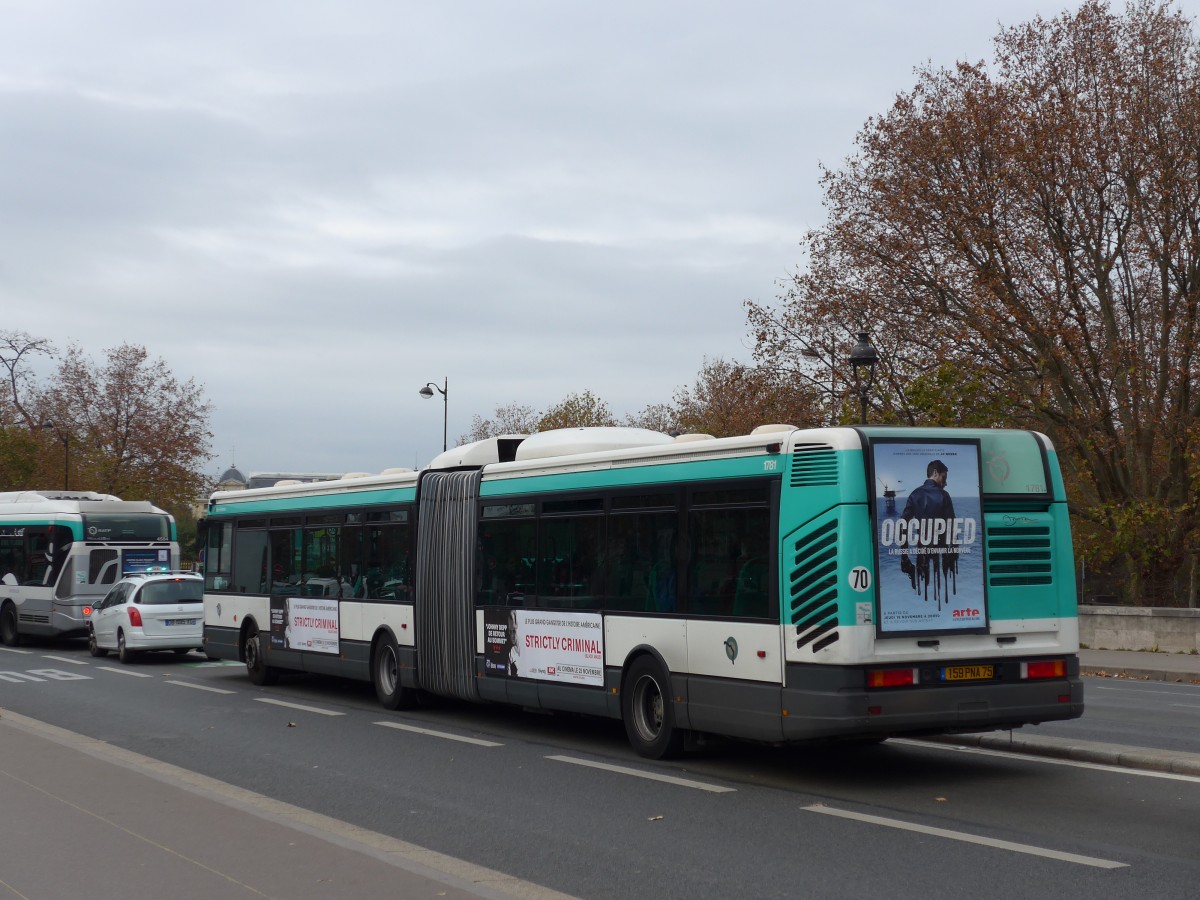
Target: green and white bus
(787,585)
(61,550)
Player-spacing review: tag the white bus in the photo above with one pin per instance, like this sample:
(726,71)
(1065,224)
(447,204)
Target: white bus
(61,550)
(756,586)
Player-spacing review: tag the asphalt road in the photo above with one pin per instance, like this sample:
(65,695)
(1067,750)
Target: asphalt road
(563,802)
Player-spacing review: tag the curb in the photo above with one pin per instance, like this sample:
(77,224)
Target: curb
(1141,674)
(1170,761)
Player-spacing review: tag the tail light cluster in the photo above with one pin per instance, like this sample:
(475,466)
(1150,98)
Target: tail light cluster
(135,615)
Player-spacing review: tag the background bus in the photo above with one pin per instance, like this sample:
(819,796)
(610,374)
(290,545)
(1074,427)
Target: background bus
(61,550)
(786,585)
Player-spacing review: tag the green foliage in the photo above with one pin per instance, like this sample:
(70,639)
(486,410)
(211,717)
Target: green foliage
(19,459)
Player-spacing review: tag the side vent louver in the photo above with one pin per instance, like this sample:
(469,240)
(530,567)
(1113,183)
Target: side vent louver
(814,465)
(813,593)
(1019,556)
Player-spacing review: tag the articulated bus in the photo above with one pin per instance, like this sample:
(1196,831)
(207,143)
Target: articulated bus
(788,585)
(62,550)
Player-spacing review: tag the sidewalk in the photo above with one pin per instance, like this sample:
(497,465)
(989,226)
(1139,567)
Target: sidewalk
(1183,667)
(85,818)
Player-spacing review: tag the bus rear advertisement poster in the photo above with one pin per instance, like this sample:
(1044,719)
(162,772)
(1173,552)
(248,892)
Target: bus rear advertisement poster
(929,534)
(544,644)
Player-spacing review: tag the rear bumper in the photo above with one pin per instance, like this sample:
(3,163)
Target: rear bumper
(184,638)
(820,707)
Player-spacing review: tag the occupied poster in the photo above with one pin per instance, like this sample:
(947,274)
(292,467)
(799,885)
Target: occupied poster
(305,623)
(544,644)
(929,536)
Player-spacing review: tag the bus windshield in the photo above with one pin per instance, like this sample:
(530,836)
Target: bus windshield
(127,527)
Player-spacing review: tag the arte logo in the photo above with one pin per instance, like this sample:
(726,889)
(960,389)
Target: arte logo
(965,613)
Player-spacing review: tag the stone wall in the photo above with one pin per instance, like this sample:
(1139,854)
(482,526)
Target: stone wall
(1140,628)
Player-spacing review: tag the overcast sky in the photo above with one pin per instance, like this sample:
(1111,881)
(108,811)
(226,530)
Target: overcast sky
(313,209)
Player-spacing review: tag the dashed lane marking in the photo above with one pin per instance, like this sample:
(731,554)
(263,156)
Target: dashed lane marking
(300,706)
(969,838)
(478,742)
(642,773)
(199,687)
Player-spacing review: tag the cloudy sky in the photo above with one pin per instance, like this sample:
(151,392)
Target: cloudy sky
(313,209)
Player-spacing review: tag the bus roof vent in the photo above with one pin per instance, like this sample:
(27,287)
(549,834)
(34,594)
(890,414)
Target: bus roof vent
(572,441)
(287,482)
(772,429)
(350,475)
(814,465)
(692,438)
(398,470)
(479,453)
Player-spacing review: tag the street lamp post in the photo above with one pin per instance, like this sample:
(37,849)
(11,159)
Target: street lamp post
(862,364)
(66,442)
(444,390)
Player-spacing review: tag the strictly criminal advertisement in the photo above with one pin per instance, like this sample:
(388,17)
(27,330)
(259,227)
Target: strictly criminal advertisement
(545,645)
(305,623)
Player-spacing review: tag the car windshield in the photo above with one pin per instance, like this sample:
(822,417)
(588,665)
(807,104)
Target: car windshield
(190,591)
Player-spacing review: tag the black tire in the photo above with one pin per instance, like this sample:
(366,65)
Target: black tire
(647,711)
(385,675)
(256,667)
(9,636)
(94,648)
(182,651)
(124,654)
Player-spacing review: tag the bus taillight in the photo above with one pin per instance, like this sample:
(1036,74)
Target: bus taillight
(87,611)
(1050,668)
(885,678)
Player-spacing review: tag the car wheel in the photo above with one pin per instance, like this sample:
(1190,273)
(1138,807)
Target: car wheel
(94,648)
(124,654)
(8,626)
(256,667)
(646,709)
(385,673)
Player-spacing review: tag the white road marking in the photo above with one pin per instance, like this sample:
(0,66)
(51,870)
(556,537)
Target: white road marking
(199,687)
(66,659)
(15,650)
(970,838)
(1051,760)
(126,672)
(300,706)
(478,742)
(642,773)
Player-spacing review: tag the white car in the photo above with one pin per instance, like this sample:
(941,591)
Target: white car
(149,611)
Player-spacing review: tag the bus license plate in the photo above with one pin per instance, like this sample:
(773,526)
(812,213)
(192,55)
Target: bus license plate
(967,673)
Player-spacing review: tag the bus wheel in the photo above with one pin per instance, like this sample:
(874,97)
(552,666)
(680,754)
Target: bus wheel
(94,648)
(8,626)
(385,674)
(256,667)
(646,709)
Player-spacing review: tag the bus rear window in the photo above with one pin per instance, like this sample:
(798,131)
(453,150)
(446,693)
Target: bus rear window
(132,527)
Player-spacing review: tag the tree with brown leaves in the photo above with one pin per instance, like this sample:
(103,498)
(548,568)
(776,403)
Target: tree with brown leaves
(1035,227)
